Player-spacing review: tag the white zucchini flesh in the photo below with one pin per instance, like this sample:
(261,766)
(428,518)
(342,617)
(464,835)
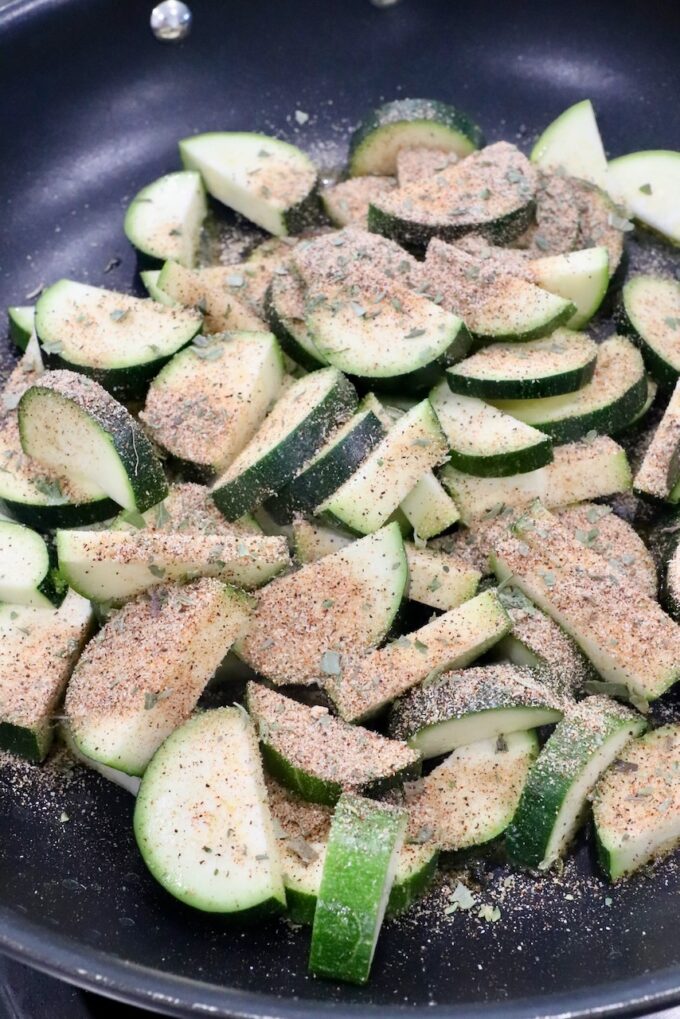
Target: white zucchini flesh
(581,277)
(120,707)
(164,219)
(130,783)
(429,508)
(659,471)
(649,184)
(263,178)
(96,328)
(572,142)
(149,278)
(24,566)
(202,820)
(216,291)
(116,565)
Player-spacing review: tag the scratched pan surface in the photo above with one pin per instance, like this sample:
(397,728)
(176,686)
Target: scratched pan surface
(90,109)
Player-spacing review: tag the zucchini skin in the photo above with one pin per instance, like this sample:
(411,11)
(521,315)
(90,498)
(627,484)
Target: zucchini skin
(404,894)
(287,341)
(522,389)
(504,465)
(660,370)
(320,480)
(65,514)
(606,420)
(308,212)
(30,744)
(418,235)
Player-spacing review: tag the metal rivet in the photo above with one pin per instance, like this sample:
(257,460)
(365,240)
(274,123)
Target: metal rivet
(171,21)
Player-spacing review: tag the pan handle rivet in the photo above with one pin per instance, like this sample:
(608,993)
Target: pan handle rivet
(171,21)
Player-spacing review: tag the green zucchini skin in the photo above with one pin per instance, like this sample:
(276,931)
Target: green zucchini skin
(126,384)
(61,514)
(322,478)
(287,341)
(605,421)
(504,465)
(418,382)
(521,389)
(660,369)
(307,213)
(405,893)
(19,331)
(407,112)
(418,235)
(308,786)
(24,742)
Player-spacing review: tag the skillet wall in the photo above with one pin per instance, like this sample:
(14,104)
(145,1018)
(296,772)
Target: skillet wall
(90,109)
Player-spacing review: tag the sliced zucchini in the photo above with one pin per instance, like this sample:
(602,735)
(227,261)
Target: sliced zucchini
(623,632)
(216,292)
(572,144)
(313,541)
(187,509)
(28,573)
(494,304)
(428,507)
(116,565)
(600,221)
(672,584)
(121,706)
(118,340)
(360,689)
(557,364)
(406,123)
(537,642)
(581,277)
(472,796)
(42,498)
(163,221)
(650,312)
(284,309)
(659,472)
(413,446)
(416,868)
(38,648)
(484,441)
(207,402)
(295,429)
(270,182)
(556,227)
(552,807)
(419,163)
(342,605)
(202,821)
(491,192)
(348,201)
(70,425)
(579,471)
(130,783)
(319,756)
(649,183)
(21,319)
(636,803)
(615,394)
(358,873)
(473,704)
(149,278)
(328,469)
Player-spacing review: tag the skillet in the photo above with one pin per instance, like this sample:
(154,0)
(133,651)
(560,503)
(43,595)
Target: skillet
(91,107)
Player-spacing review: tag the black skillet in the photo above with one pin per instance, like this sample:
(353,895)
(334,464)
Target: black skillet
(91,106)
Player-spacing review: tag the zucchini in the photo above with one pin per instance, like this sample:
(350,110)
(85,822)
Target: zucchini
(116,565)
(435,578)
(572,144)
(552,807)
(297,426)
(358,873)
(648,183)
(635,804)
(130,783)
(149,278)
(163,221)
(672,584)
(202,821)
(270,182)
(606,404)
(28,573)
(579,471)
(208,401)
(580,277)
(38,649)
(600,221)
(623,632)
(484,441)
(284,310)
(21,323)
(649,311)
(491,192)
(560,363)
(470,798)
(117,340)
(659,472)
(418,163)
(217,292)
(326,605)
(70,425)
(187,508)
(328,469)
(557,219)
(347,202)
(360,689)
(428,508)
(42,498)
(404,123)
(473,704)
(494,304)
(319,756)
(120,707)
(413,446)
